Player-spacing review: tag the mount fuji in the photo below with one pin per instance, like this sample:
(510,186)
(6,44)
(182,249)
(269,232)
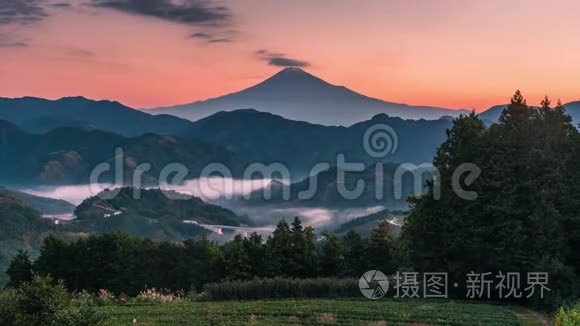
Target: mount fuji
(295,94)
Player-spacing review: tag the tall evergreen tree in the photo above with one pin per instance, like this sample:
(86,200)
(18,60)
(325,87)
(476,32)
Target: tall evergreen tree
(309,260)
(206,263)
(332,260)
(20,269)
(256,251)
(55,258)
(279,251)
(356,253)
(380,249)
(237,262)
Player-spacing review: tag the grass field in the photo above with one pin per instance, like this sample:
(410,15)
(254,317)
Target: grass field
(312,312)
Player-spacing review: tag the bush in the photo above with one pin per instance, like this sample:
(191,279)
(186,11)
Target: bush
(104,298)
(20,269)
(152,296)
(40,302)
(281,288)
(564,286)
(9,312)
(567,317)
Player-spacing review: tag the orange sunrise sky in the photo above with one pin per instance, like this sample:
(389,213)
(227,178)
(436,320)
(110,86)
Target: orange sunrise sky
(457,54)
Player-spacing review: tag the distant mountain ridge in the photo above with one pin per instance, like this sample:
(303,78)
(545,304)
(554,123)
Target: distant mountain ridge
(297,95)
(268,138)
(292,94)
(44,205)
(56,142)
(41,115)
(328,195)
(68,155)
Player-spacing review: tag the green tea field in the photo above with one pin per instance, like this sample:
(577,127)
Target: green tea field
(314,312)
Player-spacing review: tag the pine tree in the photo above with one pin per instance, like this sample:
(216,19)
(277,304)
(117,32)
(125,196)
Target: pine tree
(55,258)
(310,259)
(332,260)
(279,251)
(356,254)
(205,262)
(303,254)
(256,251)
(20,269)
(237,261)
(380,249)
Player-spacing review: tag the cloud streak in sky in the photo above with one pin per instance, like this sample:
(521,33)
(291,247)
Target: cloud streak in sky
(9,41)
(191,12)
(287,62)
(201,36)
(215,37)
(21,11)
(280,59)
(220,40)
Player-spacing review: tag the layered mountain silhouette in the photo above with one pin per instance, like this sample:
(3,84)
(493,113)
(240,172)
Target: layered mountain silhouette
(44,205)
(327,193)
(295,94)
(41,115)
(61,141)
(267,138)
(68,155)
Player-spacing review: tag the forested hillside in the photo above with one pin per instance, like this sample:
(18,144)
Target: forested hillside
(266,138)
(525,217)
(44,205)
(155,204)
(21,227)
(69,155)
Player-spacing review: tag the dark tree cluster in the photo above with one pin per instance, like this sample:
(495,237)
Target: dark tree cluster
(124,264)
(526,214)
(293,251)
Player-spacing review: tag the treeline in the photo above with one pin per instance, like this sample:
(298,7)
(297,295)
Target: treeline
(124,264)
(525,217)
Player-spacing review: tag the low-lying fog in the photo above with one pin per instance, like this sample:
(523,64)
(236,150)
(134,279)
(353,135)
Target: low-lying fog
(224,192)
(209,189)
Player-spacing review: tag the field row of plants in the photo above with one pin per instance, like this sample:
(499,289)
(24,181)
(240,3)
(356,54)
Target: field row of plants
(308,312)
(279,288)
